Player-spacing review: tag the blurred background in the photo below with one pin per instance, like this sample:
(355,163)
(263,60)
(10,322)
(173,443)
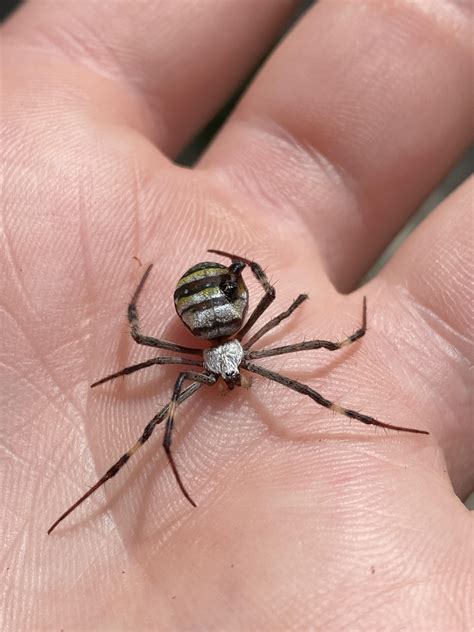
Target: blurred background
(192,152)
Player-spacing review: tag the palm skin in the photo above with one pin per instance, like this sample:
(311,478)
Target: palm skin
(305,520)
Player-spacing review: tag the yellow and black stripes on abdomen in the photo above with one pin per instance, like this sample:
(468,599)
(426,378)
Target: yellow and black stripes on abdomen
(199,287)
(202,304)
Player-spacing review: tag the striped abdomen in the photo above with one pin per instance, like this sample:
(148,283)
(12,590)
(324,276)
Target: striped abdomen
(211,300)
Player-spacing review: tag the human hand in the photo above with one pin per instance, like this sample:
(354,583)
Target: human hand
(305,519)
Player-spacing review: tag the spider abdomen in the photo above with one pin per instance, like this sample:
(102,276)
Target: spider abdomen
(211,299)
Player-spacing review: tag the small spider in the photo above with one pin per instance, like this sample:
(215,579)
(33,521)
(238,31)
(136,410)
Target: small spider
(212,300)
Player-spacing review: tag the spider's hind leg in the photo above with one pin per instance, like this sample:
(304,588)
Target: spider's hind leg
(266,300)
(135,332)
(310,344)
(275,321)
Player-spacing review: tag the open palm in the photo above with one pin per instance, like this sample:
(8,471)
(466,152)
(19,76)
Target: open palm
(305,519)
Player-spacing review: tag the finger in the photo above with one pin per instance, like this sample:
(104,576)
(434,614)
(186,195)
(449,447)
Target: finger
(168,54)
(431,291)
(351,123)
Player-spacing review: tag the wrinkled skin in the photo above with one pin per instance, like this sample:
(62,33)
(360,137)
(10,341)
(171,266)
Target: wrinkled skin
(305,520)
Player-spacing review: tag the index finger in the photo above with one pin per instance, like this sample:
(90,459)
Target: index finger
(166,54)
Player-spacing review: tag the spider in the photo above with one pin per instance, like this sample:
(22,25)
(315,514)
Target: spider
(212,300)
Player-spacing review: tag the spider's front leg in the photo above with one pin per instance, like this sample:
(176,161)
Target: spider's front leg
(201,378)
(144,365)
(118,465)
(304,389)
(135,332)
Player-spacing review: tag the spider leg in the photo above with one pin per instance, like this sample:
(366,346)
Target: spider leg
(202,378)
(135,332)
(275,321)
(117,466)
(313,344)
(143,365)
(266,300)
(322,401)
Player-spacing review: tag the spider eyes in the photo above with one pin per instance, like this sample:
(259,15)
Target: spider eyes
(230,289)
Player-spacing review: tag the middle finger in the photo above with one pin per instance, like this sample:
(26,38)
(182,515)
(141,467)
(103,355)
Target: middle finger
(353,121)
